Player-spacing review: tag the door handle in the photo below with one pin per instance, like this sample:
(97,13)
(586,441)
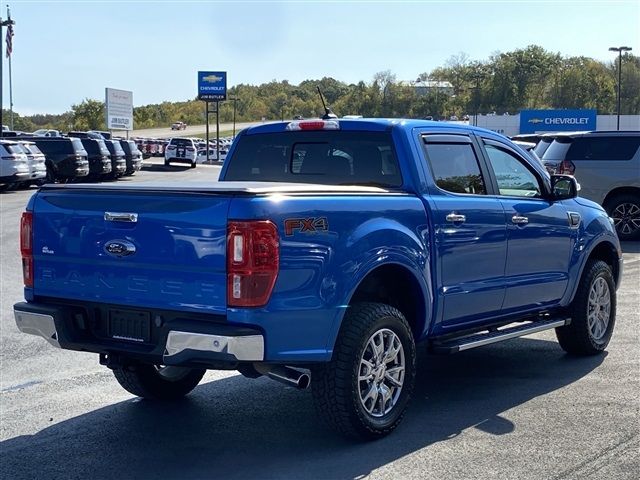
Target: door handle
(519,220)
(456,218)
(120,217)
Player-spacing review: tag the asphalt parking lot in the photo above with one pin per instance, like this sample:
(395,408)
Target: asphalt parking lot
(516,410)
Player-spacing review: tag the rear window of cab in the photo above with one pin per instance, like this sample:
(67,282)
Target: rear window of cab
(322,157)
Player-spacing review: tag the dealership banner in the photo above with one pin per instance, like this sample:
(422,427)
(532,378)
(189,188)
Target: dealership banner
(119,109)
(533,121)
(212,86)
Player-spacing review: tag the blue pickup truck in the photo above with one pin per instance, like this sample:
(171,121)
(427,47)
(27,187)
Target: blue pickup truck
(325,253)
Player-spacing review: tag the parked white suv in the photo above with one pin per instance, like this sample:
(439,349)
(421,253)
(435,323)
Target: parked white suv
(14,165)
(182,150)
(36,161)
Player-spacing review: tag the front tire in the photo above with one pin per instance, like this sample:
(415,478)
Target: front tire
(625,211)
(155,382)
(364,390)
(593,312)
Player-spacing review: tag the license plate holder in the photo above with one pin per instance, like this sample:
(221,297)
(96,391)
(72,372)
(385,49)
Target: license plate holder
(130,325)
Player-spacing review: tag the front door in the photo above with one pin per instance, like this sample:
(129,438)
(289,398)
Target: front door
(540,238)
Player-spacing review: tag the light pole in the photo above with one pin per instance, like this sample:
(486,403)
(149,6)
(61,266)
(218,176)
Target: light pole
(619,50)
(477,76)
(235,100)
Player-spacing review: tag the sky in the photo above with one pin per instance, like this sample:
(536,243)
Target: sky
(65,51)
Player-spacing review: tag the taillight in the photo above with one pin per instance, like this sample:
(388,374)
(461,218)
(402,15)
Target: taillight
(191,149)
(26,247)
(566,167)
(253,260)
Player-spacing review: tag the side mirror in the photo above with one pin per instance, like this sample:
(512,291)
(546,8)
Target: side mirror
(564,187)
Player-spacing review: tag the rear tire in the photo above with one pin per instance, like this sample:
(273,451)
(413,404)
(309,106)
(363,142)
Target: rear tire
(193,165)
(166,163)
(158,383)
(364,390)
(593,312)
(625,211)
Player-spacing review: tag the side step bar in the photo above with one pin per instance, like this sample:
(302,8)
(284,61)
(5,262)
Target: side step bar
(459,344)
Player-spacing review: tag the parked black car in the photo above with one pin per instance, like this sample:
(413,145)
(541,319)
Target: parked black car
(99,157)
(132,155)
(65,158)
(118,162)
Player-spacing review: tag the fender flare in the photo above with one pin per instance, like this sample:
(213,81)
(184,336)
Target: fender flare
(370,267)
(602,239)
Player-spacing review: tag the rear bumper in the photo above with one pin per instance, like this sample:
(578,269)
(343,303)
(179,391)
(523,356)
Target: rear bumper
(181,160)
(99,166)
(16,177)
(180,342)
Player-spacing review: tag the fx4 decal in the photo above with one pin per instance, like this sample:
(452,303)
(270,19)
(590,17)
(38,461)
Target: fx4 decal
(305,225)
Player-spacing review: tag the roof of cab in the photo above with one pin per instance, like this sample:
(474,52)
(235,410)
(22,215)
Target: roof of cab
(369,124)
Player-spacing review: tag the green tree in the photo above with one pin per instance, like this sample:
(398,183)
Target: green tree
(88,115)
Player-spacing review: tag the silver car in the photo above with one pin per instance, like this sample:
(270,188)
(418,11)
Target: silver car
(607,167)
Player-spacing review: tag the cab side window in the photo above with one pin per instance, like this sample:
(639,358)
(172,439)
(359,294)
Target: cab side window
(455,168)
(513,177)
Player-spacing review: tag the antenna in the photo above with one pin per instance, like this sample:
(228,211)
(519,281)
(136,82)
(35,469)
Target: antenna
(328,114)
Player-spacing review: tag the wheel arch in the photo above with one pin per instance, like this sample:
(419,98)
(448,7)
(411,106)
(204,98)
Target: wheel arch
(627,190)
(606,251)
(395,284)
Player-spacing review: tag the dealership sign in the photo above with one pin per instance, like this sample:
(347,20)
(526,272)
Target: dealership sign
(212,86)
(119,109)
(533,121)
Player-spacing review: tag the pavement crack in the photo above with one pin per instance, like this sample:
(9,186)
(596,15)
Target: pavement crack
(602,459)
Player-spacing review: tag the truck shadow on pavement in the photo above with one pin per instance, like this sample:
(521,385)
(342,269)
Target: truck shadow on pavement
(242,428)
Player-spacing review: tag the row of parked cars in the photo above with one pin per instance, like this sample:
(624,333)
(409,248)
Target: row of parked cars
(156,147)
(605,164)
(29,159)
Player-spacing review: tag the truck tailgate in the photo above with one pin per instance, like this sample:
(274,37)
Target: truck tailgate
(170,254)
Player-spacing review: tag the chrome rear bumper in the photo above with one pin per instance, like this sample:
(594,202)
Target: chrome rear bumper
(37,324)
(211,343)
(245,348)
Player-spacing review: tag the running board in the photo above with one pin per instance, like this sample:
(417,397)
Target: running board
(459,344)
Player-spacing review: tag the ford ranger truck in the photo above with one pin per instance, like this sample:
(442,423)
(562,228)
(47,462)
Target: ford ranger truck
(325,253)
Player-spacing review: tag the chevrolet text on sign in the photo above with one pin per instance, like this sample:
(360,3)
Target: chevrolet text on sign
(532,121)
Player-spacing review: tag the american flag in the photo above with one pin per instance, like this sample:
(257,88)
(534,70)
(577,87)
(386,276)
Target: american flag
(9,40)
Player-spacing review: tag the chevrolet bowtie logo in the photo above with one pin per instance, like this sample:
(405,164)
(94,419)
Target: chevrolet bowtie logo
(211,78)
(536,120)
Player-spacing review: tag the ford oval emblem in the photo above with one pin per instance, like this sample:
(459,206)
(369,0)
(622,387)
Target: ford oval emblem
(119,248)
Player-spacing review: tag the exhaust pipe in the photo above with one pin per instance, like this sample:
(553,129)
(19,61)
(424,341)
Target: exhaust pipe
(286,375)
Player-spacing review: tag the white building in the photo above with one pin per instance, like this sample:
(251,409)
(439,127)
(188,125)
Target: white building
(429,86)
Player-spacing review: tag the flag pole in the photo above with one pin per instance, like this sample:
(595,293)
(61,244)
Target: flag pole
(1,82)
(5,23)
(10,76)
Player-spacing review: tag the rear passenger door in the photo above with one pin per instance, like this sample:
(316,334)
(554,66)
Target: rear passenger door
(540,238)
(470,231)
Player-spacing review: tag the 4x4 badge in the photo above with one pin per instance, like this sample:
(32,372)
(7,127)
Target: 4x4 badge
(305,225)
